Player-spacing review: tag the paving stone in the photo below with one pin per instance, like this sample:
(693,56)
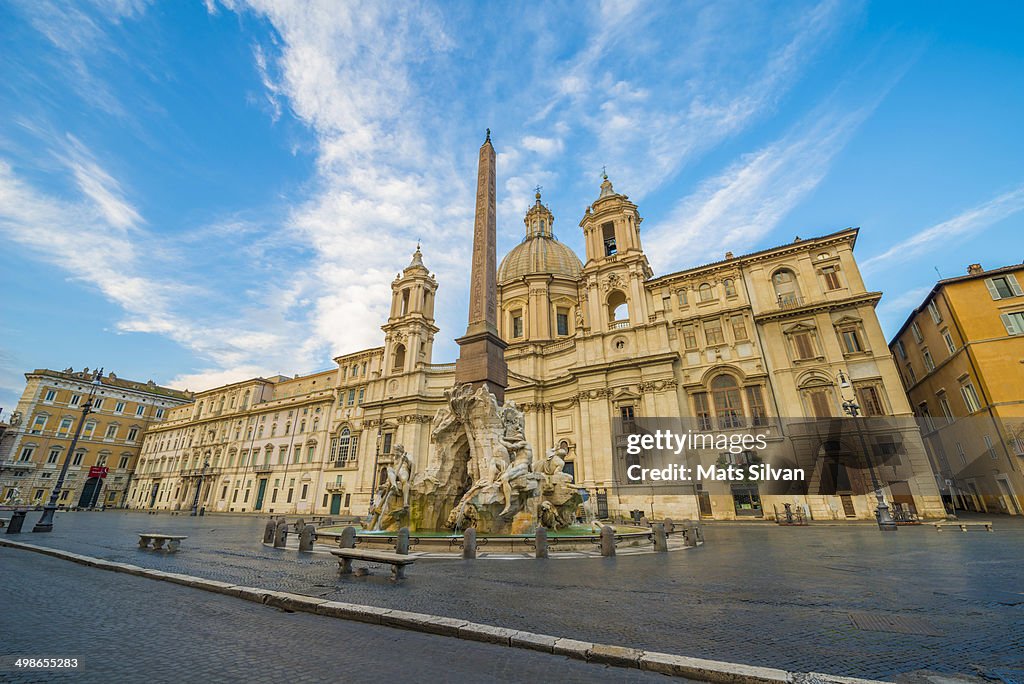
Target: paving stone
(573,648)
(487,633)
(536,642)
(615,655)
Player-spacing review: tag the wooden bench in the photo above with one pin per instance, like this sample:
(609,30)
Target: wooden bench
(173,540)
(962,525)
(397,561)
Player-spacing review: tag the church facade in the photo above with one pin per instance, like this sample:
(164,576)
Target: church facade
(777,343)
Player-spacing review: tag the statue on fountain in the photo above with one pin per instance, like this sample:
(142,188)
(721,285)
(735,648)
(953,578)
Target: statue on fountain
(397,485)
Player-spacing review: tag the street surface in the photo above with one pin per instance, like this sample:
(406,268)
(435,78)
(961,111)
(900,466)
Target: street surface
(801,599)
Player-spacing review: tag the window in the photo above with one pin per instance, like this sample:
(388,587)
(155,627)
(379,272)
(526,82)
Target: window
(666,302)
(934,311)
(786,291)
(608,238)
(517,323)
(713,332)
(948,339)
(50,396)
(39,424)
(562,322)
(929,364)
(119,407)
(821,402)
(755,401)
(911,375)
(803,345)
(405,302)
(870,401)
(133,434)
(77,460)
(362,393)
(54,455)
(929,424)
(111,432)
(102,460)
(831,276)
(946,410)
(728,407)
(140,410)
(739,328)
(705,293)
(916,329)
(689,337)
(901,350)
(970,397)
(1014,322)
(399,358)
(730,287)
(681,298)
(851,341)
(386,448)
(160,413)
(960,452)
(989,447)
(618,308)
(75,398)
(26,453)
(628,416)
(1003,287)
(97,403)
(90,427)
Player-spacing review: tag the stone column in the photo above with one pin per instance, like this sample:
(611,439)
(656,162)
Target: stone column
(469,543)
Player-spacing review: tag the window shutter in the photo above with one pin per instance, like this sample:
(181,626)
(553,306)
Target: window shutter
(992,288)
(1012,280)
(1011,324)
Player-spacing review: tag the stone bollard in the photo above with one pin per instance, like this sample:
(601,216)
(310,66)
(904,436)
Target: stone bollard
(469,543)
(670,526)
(542,542)
(643,521)
(607,541)
(402,545)
(280,534)
(299,524)
(348,538)
(268,531)
(660,539)
(690,534)
(307,537)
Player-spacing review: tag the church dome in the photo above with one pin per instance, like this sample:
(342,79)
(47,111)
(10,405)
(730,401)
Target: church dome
(540,252)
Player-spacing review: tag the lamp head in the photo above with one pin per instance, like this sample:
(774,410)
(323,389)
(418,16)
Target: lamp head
(844,382)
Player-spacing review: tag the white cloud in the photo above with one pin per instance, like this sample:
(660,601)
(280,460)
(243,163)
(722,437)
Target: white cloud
(971,221)
(731,211)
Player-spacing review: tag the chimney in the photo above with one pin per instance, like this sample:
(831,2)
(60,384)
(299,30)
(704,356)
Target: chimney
(728,255)
(975,269)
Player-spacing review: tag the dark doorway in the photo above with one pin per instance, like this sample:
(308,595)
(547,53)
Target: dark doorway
(260,493)
(335,504)
(152,496)
(90,492)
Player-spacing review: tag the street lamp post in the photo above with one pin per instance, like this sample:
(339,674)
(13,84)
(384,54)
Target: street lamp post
(199,487)
(45,523)
(885,521)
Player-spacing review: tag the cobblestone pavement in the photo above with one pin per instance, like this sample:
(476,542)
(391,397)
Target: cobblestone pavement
(140,630)
(757,594)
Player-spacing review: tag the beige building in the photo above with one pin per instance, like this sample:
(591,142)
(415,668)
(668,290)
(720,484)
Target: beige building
(771,343)
(960,354)
(43,425)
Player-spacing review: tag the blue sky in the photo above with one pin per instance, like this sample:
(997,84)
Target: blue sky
(197,192)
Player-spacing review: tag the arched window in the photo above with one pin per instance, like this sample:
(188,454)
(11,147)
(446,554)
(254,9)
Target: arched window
(787,292)
(728,403)
(399,364)
(730,287)
(705,293)
(343,444)
(618,307)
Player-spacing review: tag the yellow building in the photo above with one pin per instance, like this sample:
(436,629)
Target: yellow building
(44,422)
(771,342)
(960,354)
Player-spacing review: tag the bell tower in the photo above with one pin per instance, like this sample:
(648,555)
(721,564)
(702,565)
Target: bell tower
(409,332)
(616,265)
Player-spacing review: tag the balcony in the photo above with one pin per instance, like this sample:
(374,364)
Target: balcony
(335,488)
(789,301)
(17,465)
(618,325)
(263,468)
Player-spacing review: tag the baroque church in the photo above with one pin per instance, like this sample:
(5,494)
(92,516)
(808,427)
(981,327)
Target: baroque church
(782,342)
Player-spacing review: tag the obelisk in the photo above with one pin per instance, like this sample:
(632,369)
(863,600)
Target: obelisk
(481,349)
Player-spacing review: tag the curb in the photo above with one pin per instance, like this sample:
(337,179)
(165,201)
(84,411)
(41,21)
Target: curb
(603,654)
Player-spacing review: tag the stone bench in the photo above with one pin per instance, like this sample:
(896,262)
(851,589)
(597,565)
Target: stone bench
(173,540)
(962,525)
(397,561)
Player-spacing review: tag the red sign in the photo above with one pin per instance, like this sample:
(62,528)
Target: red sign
(98,471)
